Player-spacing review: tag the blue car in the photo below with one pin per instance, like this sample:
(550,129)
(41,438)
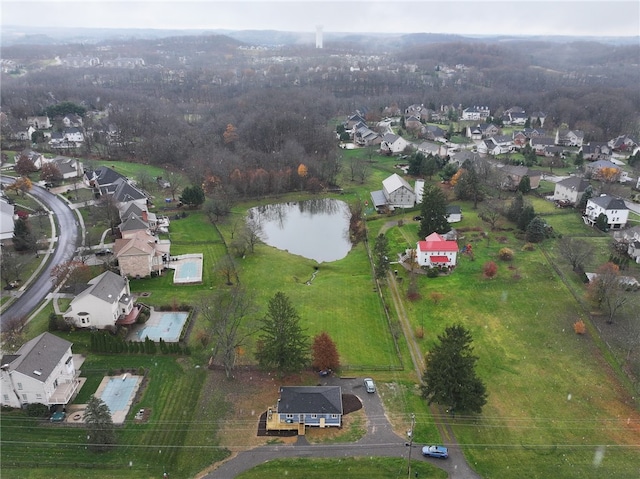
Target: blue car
(435,451)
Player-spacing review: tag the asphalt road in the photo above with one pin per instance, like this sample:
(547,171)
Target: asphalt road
(380,440)
(65,247)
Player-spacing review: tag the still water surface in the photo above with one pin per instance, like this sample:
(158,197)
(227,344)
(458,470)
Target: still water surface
(315,229)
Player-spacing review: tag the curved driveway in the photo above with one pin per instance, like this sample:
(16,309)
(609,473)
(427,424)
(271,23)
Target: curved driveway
(380,440)
(65,247)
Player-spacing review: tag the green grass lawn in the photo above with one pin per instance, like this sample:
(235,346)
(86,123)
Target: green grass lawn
(180,435)
(365,467)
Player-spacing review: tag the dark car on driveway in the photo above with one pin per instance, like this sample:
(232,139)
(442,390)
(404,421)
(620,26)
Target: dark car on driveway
(435,451)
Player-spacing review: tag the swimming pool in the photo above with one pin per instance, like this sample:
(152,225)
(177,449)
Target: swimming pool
(187,268)
(118,393)
(187,271)
(165,325)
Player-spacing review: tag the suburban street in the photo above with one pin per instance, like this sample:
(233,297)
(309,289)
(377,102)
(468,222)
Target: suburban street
(64,247)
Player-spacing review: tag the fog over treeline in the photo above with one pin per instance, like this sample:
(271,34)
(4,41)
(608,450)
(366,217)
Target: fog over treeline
(214,106)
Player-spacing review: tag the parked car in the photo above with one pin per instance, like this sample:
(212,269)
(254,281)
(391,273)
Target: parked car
(440,452)
(103,252)
(369,385)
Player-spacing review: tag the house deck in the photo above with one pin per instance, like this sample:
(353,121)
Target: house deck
(275,424)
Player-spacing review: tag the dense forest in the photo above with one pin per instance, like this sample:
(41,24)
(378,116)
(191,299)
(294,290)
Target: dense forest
(236,114)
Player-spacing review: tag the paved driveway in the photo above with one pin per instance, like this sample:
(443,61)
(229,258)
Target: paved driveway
(380,440)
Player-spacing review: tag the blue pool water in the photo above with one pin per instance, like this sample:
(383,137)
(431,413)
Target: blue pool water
(168,328)
(118,392)
(187,270)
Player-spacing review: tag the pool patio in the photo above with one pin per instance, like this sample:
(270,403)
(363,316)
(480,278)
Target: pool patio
(187,268)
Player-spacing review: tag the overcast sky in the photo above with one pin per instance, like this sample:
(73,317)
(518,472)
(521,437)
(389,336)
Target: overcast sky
(513,17)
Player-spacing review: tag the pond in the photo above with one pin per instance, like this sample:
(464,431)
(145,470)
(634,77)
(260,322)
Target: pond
(315,229)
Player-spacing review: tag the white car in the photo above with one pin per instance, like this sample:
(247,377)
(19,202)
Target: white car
(369,385)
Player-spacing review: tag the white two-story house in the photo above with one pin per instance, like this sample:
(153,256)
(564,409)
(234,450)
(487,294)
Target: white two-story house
(106,300)
(614,208)
(41,371)
(436,251)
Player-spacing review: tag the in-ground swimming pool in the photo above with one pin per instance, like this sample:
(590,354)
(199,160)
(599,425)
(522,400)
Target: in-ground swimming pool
(118,393)
(167,326)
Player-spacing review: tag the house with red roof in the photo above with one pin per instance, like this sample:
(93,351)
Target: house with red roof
(437,252)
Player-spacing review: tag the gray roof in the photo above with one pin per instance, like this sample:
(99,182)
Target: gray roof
(133,223)
(390,137)
(38,357)
(310,400)
(609,202)
(453,210)
(126,192)
(577,183)
(378,198)
(106,176)
(106,287)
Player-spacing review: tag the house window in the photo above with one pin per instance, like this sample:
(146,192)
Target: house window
(38,396)
(334,416)
(19,386)
(6,398)
(289,416)
(314,416)
(24,397)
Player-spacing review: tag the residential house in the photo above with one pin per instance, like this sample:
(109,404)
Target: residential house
(364,136)
(412,123)
(496,145)
(102,178)
(570,189)
(623,143)
(565,137)
(540,144)
(431,148)
(538,116)
(125,193)
(42,371)
(418,111)
(630,237)
(460,157)
(131,212)
(69,167)
(354,120)
(436,252)
(106,300)
(393,144)
(39,122)
(614,208)
(594,169)
(435,133)
(36,158)
(140,254)
(454,214)
(482,131)
(300,406)
(512,175)
(596,151)
(72,120)
(6,220)
(515,116)
(476,113)
(22,133)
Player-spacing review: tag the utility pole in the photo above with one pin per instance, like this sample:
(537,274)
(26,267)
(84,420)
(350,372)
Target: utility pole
(410,434)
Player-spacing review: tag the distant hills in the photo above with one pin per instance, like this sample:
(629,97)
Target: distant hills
(17,35)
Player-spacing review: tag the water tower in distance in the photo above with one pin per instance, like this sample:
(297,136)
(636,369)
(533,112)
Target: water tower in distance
(318,36)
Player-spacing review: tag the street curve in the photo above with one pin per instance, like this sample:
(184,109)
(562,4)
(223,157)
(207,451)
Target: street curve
(64,245)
